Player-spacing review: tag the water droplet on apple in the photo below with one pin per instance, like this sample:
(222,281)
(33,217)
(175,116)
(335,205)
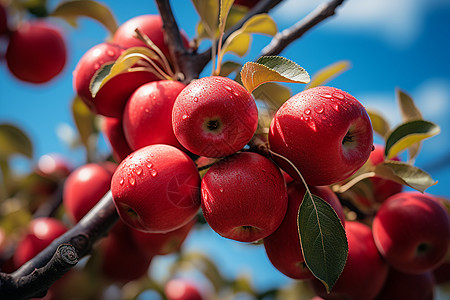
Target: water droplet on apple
(319,109)
(138,170)
(236,94)
(96,66)
(227,88)
(184,117)
(149,165)
(122,181)
(335,106)
(326,96)
(195,99)
(153,173)
(307,111)
(338,96)
(146,110)
(110,53)
(312,125)
(221,190)
(132,181)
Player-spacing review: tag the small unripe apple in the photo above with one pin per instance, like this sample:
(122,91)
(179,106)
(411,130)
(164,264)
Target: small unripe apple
(113,130)
(407,286)
(41,233)
(150,25)
(365,271)
(244,197)
(283,246)
(163,243)
(156,189)
(182,289)
(325,132)
(112,97)
(147,118)
(36,52)
(412,232)
(85,186)
(214,116)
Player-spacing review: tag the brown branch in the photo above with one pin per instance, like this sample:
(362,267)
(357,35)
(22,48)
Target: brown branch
(283,39)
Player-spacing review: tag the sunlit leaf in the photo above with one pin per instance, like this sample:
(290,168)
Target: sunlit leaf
(406,174)
(14,140)
(70,10)
(225,6)
(208,10)
(229,67)
(272,93)
(328,73)
(408,134)
(323,240)
(379,124)
(272,68)
(239,45)
(84,120)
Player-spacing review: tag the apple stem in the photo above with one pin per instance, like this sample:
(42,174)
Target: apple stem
(343,188)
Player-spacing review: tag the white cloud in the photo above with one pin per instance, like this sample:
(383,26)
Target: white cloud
(398,22)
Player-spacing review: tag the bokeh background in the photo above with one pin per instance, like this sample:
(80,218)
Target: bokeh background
(390,44)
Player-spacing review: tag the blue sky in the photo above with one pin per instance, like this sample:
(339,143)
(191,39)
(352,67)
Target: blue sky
(390,44)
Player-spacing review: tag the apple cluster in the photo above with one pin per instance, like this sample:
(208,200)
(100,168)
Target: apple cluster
(36,50)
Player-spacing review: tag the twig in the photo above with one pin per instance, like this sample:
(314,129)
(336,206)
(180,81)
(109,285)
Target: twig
(283,39)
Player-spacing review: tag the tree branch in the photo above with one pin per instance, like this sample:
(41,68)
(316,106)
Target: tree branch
(282,39)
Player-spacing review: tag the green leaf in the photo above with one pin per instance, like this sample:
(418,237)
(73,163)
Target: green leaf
(379,124)
(208,10)
(225,6)
(229,67)
(84,120)
(328,73)
(70,10)
(14,141)
(272,93)
(272,68)
(406,174)
(408,134)
(323,240)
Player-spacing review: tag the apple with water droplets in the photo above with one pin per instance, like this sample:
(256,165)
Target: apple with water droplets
(244,197)
(412,232)
(156,189)
(324,132)
(147,118)
(283,247)
(214,116)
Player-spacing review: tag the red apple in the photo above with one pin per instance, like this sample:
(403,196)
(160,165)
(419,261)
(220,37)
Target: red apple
(150,25)
(214,117)
(113,130)
(182,289)
(325,132)
(36,52)
(442,273)
(147,117)
(3,20)
(244,197)
(412,232)
(283,246)
(156,189)
(111,98)
(407,286)
(85,187)
(54,166)
(41,233)
(163,243)
(365,272)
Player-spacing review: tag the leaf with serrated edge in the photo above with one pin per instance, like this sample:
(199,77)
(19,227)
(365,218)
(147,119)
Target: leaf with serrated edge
(71,9)
(323,240)
(328,73)
(225,6)
(272,68)
(14,140)
(379,124)
(208,10)
(406,174)
(408,134)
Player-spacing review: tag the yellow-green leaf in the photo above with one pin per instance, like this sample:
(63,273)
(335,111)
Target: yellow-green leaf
(272,93)
(84,120)
(407,107)
(406,174)
(208,10)
(225,6)
(70,10)
(408,134)
(14,140)
(229,67)
(239,44)
(379,124)
(328,73)
(272,68)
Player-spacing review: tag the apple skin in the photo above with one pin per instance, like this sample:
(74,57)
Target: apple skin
(407,286)
(113,131)
(36,52)
(147,118)
(85,186)
(182,289)
(412,232)
(41,233)
(214,116)
(53,166)
(365,272)
(150,25)
(156,189)
(283,246)
(112,97)
(163,243)
(244,197)
(325,132)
